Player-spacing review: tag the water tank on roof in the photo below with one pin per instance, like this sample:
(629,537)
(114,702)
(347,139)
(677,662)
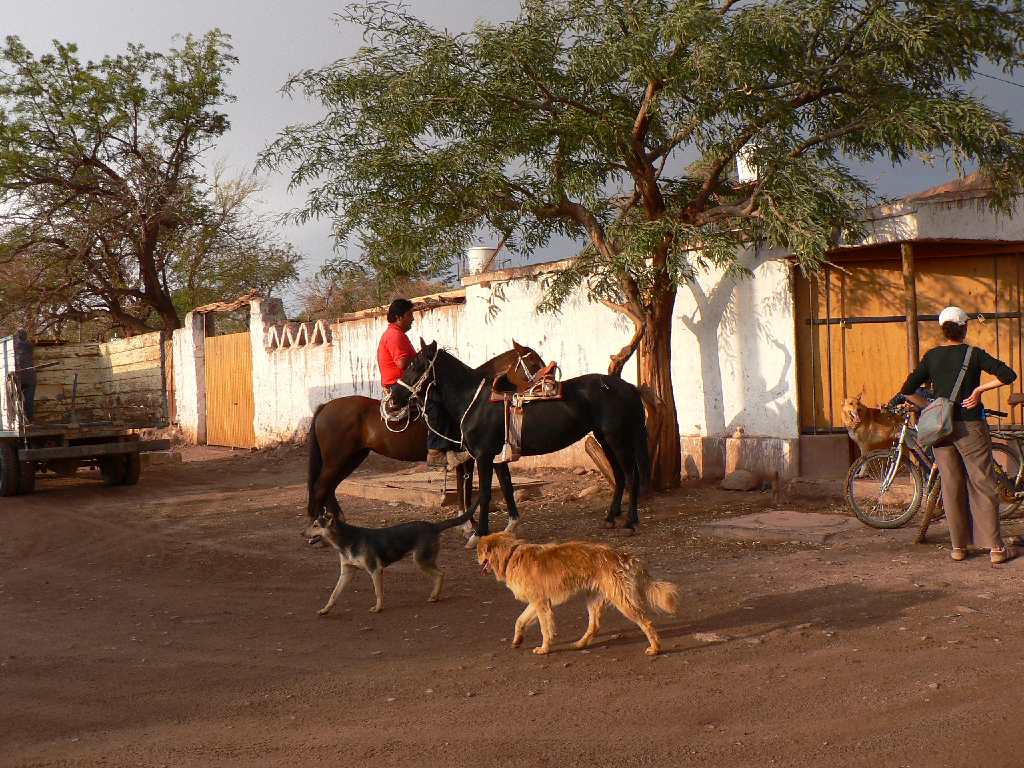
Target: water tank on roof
(478,258)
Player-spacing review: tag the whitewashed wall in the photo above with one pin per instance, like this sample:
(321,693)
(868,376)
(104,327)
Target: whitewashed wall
(189,349)
(290,382)
(733,355)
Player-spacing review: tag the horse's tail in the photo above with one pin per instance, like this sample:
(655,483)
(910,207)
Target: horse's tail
(643,456)
(316,464)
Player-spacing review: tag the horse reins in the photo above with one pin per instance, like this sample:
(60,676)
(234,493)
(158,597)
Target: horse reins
(414,394)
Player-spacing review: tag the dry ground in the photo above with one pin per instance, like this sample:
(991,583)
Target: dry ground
(175,624)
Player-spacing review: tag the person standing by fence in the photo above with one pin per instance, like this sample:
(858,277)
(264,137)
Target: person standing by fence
(965,456)
(24,365)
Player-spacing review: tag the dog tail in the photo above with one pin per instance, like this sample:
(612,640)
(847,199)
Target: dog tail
(444,526)
(316,465)
(663,596)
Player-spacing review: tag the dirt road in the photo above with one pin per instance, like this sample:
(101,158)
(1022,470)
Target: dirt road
(174,624)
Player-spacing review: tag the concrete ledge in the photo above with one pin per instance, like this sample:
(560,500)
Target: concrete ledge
(763,455)
(703,457)
(711,458)
(825,456)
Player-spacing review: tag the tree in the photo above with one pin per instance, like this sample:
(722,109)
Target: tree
(342,285)
(619,123)
(231,250)
(105,206)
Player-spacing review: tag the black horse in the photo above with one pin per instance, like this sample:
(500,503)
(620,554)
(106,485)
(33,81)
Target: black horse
(607,406)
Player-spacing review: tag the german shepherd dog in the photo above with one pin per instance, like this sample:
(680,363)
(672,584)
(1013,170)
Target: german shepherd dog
(546,575)
(374,549)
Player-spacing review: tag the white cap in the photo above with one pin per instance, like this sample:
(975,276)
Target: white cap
(953,315)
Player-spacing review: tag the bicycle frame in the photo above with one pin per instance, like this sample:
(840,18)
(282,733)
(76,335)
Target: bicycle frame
(907,443)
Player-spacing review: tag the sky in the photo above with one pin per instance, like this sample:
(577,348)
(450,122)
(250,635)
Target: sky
(276,38)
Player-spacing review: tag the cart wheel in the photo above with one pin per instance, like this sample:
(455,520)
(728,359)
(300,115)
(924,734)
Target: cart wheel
(26,477)
(132,469)
(8,470)
(112,469)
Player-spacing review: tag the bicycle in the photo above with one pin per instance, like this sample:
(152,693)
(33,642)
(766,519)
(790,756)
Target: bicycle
(886,488)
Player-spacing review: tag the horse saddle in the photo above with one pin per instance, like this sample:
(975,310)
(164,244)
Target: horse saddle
(543,386)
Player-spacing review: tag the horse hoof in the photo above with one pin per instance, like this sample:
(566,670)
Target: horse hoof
(512,525)
(630,530)
(608,524)
(471,541)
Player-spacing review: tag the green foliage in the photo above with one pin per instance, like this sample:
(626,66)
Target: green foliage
(105,208)
(620,123)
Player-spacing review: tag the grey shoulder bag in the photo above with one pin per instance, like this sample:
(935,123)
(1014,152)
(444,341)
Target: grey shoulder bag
(936,420)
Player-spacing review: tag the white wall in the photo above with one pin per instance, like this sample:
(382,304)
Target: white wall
(189,349)
(290,382)
(733,352)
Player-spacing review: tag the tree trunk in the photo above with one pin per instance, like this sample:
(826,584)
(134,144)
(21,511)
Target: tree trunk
(655,357)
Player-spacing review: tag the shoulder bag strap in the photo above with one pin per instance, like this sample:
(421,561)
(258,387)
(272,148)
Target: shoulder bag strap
(954,395)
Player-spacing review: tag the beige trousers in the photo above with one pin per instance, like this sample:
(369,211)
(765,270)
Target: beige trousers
(965,466)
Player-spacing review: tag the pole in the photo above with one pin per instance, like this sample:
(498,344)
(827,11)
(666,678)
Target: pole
(910,300)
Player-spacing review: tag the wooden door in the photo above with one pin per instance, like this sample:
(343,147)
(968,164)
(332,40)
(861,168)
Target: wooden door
(851,328)
(229,400)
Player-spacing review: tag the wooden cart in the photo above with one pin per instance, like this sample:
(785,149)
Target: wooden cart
(91,402)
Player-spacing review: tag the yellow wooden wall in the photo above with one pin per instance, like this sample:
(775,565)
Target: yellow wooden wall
(840,360)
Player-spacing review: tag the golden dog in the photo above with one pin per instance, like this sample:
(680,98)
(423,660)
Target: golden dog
(870,428)
(546,575)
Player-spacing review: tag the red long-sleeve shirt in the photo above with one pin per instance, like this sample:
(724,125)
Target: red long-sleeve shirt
(393,353)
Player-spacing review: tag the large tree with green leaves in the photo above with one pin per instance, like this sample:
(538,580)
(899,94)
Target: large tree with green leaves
(106,210)
(619,122)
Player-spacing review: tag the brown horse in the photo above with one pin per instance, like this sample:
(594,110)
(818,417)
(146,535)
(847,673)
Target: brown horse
(346,429)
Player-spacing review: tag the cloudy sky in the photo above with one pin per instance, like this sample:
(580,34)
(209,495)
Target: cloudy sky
(274,38)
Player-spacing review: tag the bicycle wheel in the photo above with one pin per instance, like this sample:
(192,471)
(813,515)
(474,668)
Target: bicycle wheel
(1006,465)
(896,504)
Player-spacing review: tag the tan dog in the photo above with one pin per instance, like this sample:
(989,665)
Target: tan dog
(870,428)
(546,575)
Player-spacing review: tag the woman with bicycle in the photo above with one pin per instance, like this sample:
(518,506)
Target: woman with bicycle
(964,458)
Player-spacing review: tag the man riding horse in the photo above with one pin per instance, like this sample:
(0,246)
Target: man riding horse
(393,355)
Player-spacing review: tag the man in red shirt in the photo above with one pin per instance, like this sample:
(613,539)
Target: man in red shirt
(393,354)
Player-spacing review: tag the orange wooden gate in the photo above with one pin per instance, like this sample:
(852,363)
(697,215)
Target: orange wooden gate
(229,401)
(852,330)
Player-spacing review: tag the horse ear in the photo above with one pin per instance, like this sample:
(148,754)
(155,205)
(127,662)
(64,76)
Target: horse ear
(422,345)
(432,348)
(515,346)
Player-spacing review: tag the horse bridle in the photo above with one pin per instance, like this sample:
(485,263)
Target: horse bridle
(426,379)
(415,387)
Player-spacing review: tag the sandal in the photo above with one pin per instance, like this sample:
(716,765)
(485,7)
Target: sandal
(958,553)
(1000,556)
